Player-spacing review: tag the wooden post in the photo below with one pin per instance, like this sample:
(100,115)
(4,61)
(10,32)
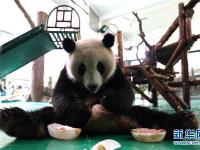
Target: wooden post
(193,78)
(37,86)
(120,49)
(154,97)
(174,26)
(184,60)
(154,92)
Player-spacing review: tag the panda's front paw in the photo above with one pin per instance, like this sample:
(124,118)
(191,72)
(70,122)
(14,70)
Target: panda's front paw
(81,115)
(10,115)
(113,102)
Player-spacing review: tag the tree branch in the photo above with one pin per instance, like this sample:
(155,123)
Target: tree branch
(137,52)
(142,35)
(30,21)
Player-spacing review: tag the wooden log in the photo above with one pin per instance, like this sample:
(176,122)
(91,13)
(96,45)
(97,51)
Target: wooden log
(181,44)
(160,87)
(175,55)
(174,26)
(183,55)
(165,52)
(191,4)
(37,85)
(166,91)
(184,61)
(120,49)
(180,84)
(142,93)
(172,45)
(167,34)
(170,89)
(188,25)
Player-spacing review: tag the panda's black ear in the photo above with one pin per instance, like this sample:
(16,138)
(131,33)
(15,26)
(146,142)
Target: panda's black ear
(68,45)
(108,40)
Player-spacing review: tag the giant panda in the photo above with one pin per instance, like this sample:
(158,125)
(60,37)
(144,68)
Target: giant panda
(92,93)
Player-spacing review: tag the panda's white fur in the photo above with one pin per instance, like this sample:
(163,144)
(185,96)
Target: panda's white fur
(90,52)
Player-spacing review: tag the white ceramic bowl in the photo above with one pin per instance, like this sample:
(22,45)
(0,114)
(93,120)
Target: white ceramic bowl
(62,132)
(148,135)
(107,144)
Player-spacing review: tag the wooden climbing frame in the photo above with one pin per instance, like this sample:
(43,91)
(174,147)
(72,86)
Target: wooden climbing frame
(162,80)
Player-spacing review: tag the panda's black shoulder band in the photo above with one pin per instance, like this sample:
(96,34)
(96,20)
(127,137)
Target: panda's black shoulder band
(108,40)
(68,45)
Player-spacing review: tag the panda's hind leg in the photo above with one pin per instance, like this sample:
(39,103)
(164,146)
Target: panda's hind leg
(149,118)
(19,123)
(181,120)
(105,121)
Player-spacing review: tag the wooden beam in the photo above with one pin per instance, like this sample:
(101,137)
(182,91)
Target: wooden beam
(184,60)
(174,26)
(120,49)
(168,94)
(175,55)
(142,93)
(183,55)
(188,41)
(160,86)
(180,84)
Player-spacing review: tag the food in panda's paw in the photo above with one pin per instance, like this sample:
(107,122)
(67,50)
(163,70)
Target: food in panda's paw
(62,132)
(107,144)
(148,135)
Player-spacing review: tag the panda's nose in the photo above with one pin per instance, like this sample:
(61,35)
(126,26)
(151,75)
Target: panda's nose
(92,87)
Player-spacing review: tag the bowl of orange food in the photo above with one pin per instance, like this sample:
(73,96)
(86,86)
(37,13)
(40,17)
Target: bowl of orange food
(148,135)
(62,132)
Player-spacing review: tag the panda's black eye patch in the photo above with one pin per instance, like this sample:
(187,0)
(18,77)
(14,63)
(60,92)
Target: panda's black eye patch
(100,68)
(81,69)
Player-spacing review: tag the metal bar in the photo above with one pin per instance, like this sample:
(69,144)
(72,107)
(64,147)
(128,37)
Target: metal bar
(71,19)
(57,36)
(56,17)
(75,36)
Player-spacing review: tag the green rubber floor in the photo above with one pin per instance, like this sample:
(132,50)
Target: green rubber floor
(85,142)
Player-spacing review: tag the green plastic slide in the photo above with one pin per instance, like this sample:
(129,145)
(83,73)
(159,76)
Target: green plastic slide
(23,49)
